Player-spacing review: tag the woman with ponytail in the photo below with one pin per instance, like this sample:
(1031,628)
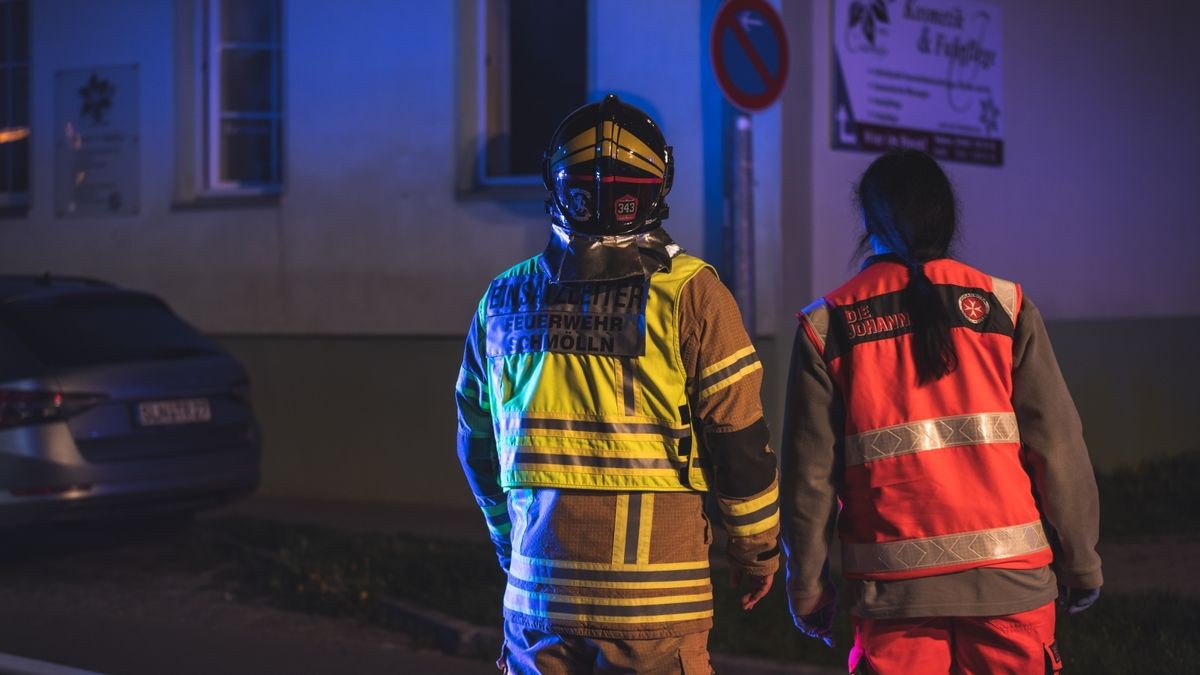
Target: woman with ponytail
(928,423)
(911,217)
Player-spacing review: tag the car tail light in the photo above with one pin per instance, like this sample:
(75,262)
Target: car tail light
(19,408)
(48,490)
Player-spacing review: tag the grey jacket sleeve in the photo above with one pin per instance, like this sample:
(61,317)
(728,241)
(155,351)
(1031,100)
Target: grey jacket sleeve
(812,430)
(1052,440)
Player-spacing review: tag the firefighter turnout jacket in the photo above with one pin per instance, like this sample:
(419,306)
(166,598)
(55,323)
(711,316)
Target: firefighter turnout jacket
(592,418)
(947,485)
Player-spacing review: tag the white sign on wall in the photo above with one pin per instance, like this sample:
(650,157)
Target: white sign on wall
(923,74)
(96,141)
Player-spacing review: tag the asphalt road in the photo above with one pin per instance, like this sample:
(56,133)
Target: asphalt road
(134,600)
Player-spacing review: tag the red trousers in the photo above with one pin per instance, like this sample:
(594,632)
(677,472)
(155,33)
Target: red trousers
(1016,644)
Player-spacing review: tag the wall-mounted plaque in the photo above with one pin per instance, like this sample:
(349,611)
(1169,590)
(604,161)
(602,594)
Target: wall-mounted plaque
(96,141)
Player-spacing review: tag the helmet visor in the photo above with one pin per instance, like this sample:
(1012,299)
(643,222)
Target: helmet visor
(610,187)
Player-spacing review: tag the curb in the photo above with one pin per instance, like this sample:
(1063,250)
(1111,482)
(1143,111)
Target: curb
(11,664)
(452,636)
(456,637)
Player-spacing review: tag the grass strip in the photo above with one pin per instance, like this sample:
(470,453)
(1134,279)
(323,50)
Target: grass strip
(326,571)
(332,572)
(1154,497)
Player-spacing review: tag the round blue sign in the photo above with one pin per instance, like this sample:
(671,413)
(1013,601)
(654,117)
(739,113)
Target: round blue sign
(749,53)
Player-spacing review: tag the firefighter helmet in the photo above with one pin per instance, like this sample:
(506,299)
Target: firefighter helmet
(608,170)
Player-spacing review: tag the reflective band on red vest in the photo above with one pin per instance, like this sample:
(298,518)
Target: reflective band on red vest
(931,434)
(948,550)
(816,316)
(1006,292)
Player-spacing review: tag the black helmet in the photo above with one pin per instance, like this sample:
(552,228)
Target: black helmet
(608,170)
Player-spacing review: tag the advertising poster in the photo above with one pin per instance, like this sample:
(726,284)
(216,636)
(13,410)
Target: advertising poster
(96,141)
(922,74)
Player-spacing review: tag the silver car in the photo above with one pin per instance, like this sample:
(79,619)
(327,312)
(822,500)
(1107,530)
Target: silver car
(112,404)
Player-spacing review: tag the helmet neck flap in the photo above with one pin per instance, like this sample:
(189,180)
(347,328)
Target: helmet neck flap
(573,257)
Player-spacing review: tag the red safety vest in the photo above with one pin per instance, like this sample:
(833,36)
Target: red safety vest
(934,481)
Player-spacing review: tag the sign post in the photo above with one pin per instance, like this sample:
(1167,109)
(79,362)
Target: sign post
(750,57)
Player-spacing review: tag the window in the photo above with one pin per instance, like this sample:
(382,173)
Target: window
(231,119)
(14,105)
(528,62)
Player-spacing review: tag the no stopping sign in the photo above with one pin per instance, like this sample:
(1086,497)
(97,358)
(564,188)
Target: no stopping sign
(749,53)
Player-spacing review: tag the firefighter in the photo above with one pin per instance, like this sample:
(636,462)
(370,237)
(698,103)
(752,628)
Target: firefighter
(924,400)
(607,384)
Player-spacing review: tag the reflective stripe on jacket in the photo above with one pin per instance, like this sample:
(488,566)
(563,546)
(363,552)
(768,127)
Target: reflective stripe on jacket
(587,386)
(934,481)
(609,564)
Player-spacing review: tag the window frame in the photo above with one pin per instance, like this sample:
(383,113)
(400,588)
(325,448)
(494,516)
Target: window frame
(483,87)
(14,202)
(199,46)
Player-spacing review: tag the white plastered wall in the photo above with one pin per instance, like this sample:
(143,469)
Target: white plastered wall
(1093,210)
(371,236)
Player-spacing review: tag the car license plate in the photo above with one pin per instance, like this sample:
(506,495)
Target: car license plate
(180,411)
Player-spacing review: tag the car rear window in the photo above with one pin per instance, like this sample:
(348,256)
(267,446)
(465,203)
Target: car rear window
(100,328)
(16,361)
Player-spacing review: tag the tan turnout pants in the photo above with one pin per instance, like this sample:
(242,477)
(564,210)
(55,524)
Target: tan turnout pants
(532,652)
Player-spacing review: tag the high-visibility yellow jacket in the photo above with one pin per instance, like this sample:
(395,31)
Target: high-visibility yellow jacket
(630,428)
(577,403)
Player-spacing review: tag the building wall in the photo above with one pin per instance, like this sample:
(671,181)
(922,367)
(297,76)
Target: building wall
(346,299)
(371,236)
(1090,211)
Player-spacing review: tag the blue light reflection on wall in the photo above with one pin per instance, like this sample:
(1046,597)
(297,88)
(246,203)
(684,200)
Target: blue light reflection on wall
(717,114)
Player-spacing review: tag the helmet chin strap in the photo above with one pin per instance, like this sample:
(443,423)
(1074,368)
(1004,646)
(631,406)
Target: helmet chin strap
(572,257)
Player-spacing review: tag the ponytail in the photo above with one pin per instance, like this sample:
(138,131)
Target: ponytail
(908,206)
(932,349)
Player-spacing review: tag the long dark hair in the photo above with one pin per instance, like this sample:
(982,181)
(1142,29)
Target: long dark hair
(908,204)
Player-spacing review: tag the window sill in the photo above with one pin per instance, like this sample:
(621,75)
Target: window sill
(16,211)
(207,202)
(505,191)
